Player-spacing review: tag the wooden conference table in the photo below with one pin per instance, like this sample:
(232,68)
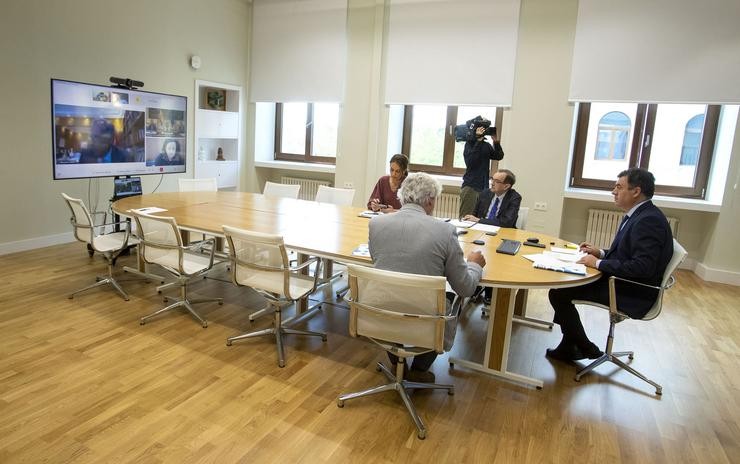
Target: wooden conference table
(334,232)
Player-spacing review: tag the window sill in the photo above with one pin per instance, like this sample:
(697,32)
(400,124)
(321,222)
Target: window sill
(297,166)
(660,201)
(448,181)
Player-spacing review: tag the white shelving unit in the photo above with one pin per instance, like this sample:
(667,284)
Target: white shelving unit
(217,125)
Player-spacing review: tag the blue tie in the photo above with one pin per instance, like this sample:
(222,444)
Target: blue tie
(492,214)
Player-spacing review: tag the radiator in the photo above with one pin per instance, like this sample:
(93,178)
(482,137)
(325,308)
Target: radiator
(309,187)
(447,205)
(603,224)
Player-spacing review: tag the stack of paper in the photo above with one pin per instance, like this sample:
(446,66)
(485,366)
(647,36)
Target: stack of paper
(558,262)
(458,223)
(362,250)
(486,228)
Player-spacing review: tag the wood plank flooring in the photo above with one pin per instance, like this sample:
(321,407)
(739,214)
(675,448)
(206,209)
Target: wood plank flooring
(81,381)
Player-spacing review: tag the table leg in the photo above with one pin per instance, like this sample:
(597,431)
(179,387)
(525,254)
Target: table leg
(520,312)
(498,337)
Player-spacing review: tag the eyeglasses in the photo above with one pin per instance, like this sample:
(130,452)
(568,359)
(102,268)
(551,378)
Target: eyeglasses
(496,181)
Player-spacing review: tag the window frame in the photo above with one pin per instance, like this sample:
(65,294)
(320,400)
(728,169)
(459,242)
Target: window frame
(448,153)
(639,153)
(307,156)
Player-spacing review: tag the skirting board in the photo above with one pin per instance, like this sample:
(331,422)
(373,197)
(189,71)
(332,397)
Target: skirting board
(33,243)
(717,275)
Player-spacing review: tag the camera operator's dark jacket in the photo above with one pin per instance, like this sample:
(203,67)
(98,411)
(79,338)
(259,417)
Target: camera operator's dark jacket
(477,156)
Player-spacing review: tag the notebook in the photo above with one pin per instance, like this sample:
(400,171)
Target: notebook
(509,247)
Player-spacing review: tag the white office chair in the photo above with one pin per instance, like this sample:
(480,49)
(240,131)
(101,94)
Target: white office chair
(162,244)
(273,189)
(405,315)
(616,316)
(209,184)
(110,245)
(339,197)
(261,262)
(521,220)
(336,196)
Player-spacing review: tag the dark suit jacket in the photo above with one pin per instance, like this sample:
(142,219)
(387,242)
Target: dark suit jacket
(118,155)
(640,252)
(508,210)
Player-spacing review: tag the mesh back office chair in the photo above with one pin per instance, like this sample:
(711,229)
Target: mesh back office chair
(521,220)
(394,309)
(261,262)
(109,245)
(339,197)
(209,184)
(616,316)
(273,189)
(162,244)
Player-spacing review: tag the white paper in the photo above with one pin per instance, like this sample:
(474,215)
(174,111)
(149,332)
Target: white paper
(362,250)
(458,223)
(368,214)
(486,228)
(149,210)
(569,251)
(550,262)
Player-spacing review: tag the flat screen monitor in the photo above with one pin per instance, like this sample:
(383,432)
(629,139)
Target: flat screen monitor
(101,131)
(126,187)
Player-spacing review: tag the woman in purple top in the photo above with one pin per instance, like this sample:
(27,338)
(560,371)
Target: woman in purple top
(385,194)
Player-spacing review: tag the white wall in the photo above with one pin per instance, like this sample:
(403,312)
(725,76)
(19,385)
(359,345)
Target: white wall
(89,41)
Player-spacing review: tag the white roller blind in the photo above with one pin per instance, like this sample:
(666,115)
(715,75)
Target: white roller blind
(680,51)
(454,52)
(298,50)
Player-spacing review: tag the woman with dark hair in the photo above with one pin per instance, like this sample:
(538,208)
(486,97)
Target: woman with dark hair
(170,154)
(385,194)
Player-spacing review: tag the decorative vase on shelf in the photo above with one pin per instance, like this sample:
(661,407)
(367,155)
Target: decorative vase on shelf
(220,155)
(201,154)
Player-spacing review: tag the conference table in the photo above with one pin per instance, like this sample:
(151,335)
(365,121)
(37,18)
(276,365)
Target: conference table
(334,232)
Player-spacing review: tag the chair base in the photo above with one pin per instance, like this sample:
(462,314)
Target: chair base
(278,329)
(401,386)
(145,275)
(100,282)
(184,303)
(614,358)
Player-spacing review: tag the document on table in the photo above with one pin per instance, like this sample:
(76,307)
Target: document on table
(458,223)
(362,250)
(551,262)
(149,210)
(368,214)
(485,228)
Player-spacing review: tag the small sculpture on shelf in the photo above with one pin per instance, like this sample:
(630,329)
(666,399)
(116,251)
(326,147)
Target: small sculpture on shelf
(220,155)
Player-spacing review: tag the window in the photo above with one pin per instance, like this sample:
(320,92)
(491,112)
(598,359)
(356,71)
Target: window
(674,141)
(306,132)
(429,138)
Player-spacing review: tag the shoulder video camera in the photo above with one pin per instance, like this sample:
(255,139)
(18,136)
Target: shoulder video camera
(466,132)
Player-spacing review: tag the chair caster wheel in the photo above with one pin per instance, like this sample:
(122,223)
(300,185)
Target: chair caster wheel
(421,435)
(451,392)
(142,322)
(281,364)
(452,366)
(340,403)
(70,297)
(659,391)
(631,357)
(204,325)
(125,299)
(378,368)
(228,342)
(220,303)
(323,338)
(577,378)
(538,388)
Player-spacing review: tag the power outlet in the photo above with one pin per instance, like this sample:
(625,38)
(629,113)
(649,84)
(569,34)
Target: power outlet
(540,206)
(349,185)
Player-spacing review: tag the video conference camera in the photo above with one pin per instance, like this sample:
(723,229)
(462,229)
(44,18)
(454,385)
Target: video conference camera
(466,132)
(126,83)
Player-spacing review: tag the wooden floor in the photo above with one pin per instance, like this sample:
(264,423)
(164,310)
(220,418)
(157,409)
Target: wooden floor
(82,381)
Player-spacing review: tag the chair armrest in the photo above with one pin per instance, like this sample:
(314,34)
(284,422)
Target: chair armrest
(636,283)
(305,264)
(199,247)
(613,310)
(397,315)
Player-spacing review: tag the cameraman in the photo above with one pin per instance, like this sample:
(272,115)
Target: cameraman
(478,153)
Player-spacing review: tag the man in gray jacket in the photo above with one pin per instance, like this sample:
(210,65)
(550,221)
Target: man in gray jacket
(412,241)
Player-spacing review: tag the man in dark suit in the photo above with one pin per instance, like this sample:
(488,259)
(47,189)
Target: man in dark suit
(640,251)
(499,205)
(100,148)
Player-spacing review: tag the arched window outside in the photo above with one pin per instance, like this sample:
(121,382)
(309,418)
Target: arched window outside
(692,141)
(614,132)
